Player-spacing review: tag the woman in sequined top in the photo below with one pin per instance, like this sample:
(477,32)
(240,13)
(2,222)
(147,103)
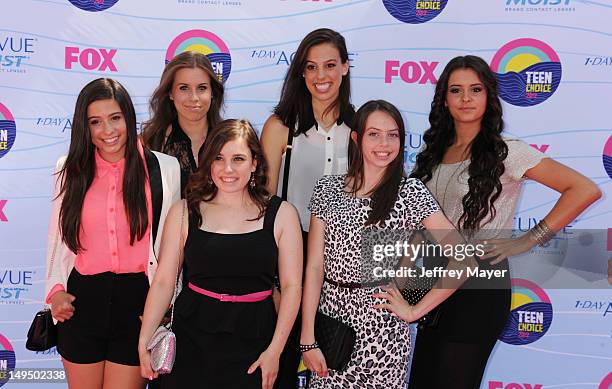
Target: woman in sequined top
(184,107)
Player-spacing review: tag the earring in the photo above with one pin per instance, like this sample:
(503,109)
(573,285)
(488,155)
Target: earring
(252,180)
(210,182)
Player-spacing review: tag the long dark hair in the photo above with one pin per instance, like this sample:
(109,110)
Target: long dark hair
(162,108)
(487,151)
(384,194)
(295,105)
(80,167)
(201,186)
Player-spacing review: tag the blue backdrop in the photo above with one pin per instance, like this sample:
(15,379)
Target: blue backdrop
(552,57)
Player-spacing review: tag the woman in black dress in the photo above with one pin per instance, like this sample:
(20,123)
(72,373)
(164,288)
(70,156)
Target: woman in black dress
(234,236)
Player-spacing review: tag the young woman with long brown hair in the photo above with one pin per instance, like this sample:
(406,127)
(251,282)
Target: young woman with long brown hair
(111,199)
(233,238)
(307,136)
(374,196)
(186,104)
(477,175)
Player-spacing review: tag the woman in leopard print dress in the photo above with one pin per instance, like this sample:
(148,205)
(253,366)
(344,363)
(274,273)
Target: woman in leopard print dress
(374,195)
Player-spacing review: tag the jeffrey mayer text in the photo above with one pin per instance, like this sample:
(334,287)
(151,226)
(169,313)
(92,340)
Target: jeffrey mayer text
(439,272)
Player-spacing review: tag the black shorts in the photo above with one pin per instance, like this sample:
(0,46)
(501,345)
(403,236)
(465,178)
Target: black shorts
(106,323)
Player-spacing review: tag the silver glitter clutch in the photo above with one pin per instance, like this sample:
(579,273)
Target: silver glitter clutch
(163,342)
(163,350)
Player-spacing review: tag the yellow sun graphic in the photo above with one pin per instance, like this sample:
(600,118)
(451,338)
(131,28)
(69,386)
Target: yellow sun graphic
(521,61)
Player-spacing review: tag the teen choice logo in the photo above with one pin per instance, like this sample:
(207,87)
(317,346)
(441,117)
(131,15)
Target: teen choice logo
(302,375)
(8,130)
(7,360)
(531,314)
(528,71)
(207,43)
(93,5)
(414,11)
(607,382)
(607,157)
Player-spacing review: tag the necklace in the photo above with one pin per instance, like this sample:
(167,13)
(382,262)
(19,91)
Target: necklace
(459,165)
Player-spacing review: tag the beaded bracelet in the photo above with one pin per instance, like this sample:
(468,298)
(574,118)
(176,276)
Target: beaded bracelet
(308,347)
(541,233)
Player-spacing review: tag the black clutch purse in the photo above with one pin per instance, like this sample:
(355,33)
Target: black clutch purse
(417,287)
(42,334)
(336,341)
(413,296)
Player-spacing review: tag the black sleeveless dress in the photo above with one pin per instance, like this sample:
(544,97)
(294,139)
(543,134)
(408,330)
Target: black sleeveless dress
(218,341)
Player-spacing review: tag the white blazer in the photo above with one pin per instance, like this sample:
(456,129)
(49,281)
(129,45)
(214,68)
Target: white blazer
(60,260)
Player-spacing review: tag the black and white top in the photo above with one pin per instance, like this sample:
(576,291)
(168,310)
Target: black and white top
(382,349)
(345,216)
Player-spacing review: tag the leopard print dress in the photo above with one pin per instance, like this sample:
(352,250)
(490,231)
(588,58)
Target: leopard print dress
(382,347)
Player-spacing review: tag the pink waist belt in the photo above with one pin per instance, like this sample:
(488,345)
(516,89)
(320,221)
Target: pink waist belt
(244,298)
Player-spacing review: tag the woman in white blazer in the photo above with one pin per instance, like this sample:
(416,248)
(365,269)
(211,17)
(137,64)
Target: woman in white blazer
(110,202)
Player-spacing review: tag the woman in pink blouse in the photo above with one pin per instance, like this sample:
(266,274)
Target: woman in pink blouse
(110,201)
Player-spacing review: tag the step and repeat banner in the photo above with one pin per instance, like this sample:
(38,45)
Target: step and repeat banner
(553,59)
